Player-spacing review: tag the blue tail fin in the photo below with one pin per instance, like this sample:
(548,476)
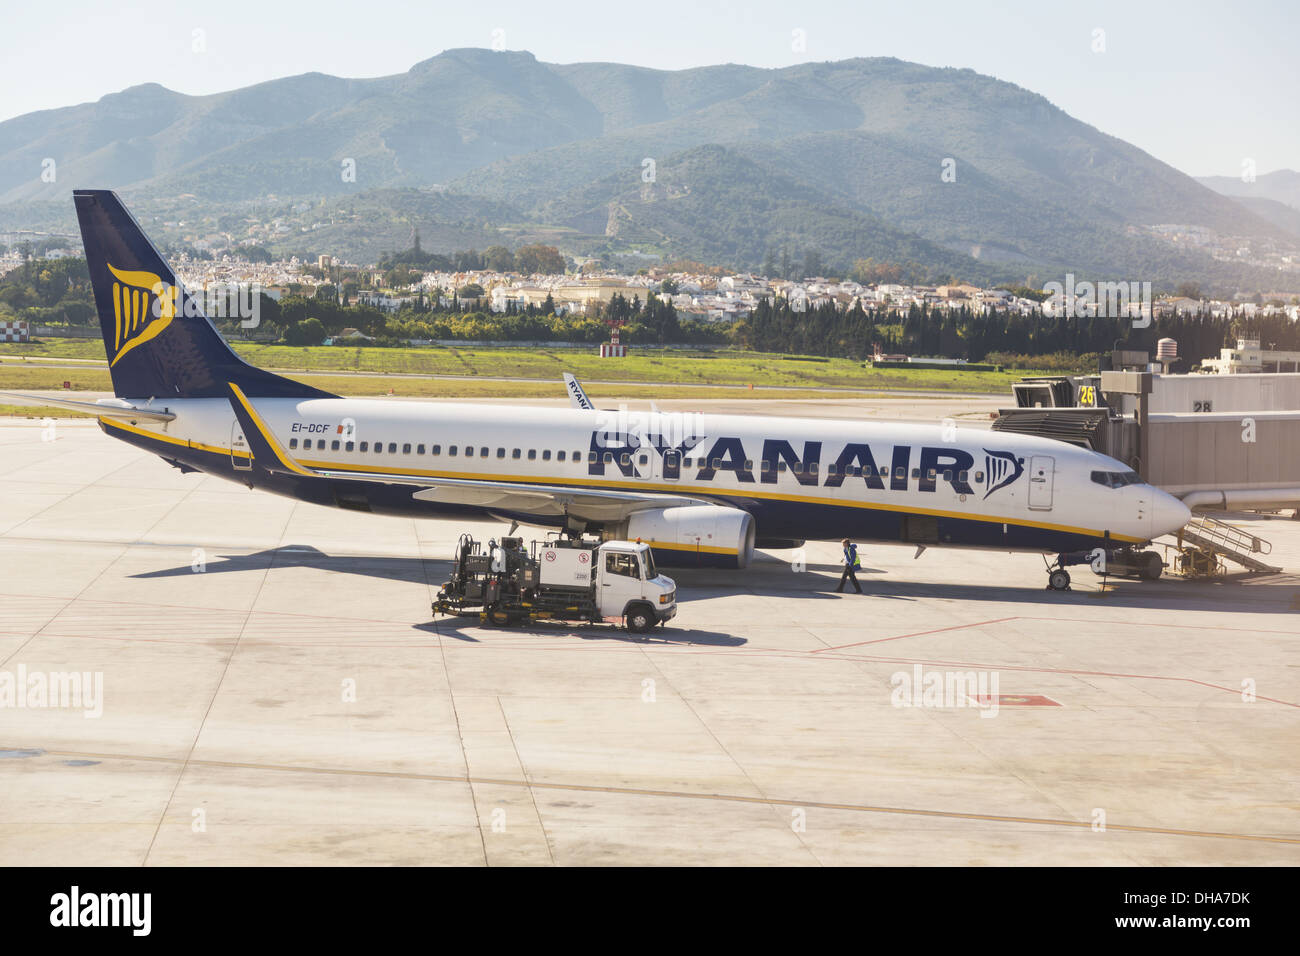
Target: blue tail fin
(159,342)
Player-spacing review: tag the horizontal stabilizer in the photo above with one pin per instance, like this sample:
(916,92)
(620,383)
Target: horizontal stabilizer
(104,408)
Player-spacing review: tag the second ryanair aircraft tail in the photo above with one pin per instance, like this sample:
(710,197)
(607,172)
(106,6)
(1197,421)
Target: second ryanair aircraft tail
(159,342)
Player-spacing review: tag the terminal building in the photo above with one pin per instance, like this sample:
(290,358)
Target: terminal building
(1248,357)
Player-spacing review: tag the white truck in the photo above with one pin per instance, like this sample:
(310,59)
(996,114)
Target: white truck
(563,579)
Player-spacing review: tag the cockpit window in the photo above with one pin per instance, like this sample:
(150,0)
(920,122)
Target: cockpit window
(1116,479)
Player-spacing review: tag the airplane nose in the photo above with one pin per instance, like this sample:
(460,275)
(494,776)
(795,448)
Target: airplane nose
(1168,514)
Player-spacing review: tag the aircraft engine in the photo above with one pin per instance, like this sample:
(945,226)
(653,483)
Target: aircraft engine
(693,535)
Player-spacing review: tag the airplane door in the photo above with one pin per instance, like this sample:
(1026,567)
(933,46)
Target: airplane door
(238,444)
(672,459)
(643,462)
(1041,470)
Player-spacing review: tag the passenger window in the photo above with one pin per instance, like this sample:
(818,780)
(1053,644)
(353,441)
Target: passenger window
(625,459)
(365,446)
(644,459)
(947,475)
(532,454)
(406,448)
(765,467)
(930,474)
(916,472)
(392,448)
(717,463)
(483,452)
(501,453)
(348,446)
(780,466)
(435,450)
(419,449)
(515,453)
(624,564)
(796,468)
(546,454)
(833,470)
(559,456)
(900,474)
(686,463)
(379,447)
(609,457)
(334,445)
(577,456)
(812,468)
(979,477)
(591,457)
(293,443)
(749,465)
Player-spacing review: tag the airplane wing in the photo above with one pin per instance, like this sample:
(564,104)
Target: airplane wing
(104,408)
(577,396)
(542,500)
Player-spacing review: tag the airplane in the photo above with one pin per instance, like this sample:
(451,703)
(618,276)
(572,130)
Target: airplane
(700,489)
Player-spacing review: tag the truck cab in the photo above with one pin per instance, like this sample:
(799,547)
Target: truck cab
(629,586)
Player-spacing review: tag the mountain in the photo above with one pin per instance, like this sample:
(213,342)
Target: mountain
(1282,185)
(830,162)
(1274,197)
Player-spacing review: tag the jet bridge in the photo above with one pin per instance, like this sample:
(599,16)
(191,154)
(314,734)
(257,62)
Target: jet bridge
(1218,442)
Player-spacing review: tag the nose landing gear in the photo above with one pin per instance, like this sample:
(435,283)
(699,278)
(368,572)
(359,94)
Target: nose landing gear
(1126,562)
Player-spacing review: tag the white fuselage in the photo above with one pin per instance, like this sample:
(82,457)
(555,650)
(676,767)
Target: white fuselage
(795,475)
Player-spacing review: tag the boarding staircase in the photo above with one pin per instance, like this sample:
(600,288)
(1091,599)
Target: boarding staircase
(1204,539)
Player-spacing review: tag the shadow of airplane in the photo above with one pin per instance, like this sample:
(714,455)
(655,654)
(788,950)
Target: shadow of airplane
(1268,594)
(414,570)
(1261,594)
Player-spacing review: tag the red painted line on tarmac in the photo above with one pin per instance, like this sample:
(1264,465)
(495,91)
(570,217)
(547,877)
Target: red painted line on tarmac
(1060,670)
(1163,625)
(899,637)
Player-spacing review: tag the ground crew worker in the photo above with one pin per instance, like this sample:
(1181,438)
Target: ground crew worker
(851,565)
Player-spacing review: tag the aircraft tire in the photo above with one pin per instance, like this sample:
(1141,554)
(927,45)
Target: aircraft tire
(1152,566)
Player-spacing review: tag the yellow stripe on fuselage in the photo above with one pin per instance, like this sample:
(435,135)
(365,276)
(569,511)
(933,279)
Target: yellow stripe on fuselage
(433,476)
(713,492)
(180,442)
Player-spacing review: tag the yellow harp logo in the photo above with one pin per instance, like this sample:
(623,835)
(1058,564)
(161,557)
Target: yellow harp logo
(143,306)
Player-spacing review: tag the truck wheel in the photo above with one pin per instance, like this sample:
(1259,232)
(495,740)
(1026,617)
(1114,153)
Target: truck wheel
(639,618)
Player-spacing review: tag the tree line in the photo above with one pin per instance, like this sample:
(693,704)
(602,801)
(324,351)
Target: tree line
(57,292)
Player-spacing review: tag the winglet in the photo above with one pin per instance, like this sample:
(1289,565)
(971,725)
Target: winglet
(267,450)
(577,397)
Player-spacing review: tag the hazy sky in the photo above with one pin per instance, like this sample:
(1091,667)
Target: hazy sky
(1200,85)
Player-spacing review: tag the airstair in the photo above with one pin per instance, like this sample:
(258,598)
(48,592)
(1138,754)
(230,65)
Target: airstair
(1204,540)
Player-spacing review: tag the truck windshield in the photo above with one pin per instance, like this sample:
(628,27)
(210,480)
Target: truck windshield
(650,571)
